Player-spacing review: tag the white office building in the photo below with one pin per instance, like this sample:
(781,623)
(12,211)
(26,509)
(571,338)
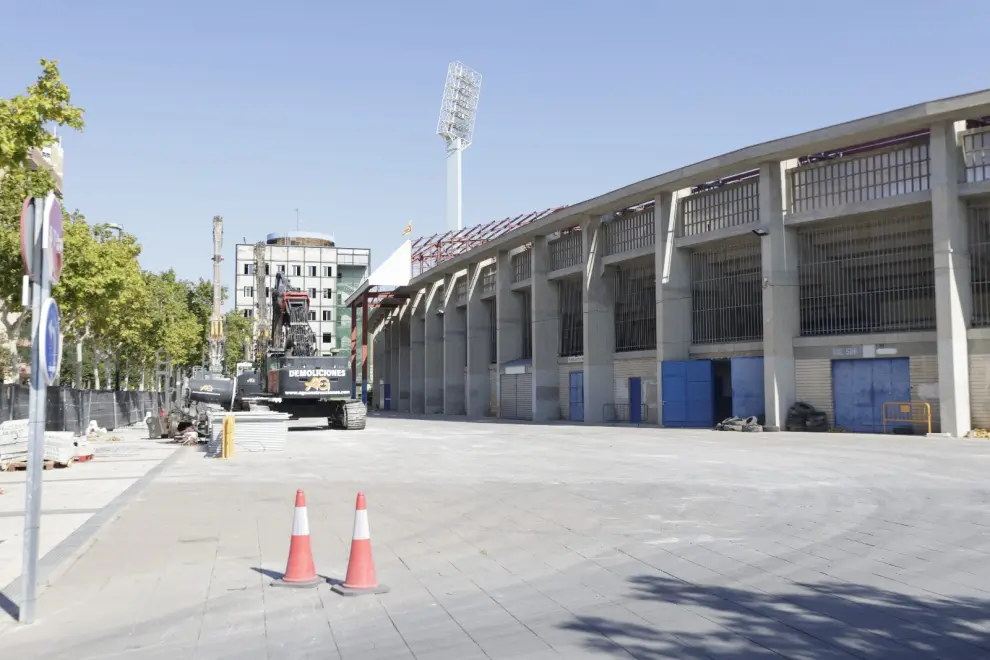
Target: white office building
(313,263)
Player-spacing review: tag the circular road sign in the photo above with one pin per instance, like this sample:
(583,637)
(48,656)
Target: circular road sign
(49,341)
(29,234)
(56,239)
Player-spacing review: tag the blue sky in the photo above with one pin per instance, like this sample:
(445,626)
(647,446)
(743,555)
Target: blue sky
(252,109)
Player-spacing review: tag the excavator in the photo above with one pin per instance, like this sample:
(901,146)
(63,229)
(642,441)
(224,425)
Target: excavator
(294,377)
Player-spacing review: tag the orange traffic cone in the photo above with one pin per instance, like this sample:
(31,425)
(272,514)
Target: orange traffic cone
(300,571)
(360,578)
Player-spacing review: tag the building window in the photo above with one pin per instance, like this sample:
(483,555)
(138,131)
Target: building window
(268,292)
(327,338)
(312,315)
(249,292)
(328,271)
(281,268)
(328,294)
(312,271)
(297,271)
(249,269)
(312,293)
(328,315)
(248,313)
(268,269)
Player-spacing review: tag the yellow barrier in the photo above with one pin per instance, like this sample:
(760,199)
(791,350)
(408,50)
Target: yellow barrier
(907,412)
(227,437)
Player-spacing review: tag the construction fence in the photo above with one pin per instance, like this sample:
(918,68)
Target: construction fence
(71,409)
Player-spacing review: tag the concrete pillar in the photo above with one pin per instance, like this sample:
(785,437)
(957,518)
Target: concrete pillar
(454,350)
(477,387)
(781,299)
(395,369)
(433,351)
(405,360)
(673,269)
(508,317)
(417,357)
(953,292)
(546,335)
(599,324)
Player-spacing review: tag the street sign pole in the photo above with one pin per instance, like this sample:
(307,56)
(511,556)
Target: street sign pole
(40,253)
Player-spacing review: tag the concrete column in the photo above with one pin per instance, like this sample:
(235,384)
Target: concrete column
(394,370)
(545,299)
(433,352)
(454,350)
(477,387)
(673,268)
(417,357)
(405,360)
(953,292)
(781,299)
(508,317)
(599,325)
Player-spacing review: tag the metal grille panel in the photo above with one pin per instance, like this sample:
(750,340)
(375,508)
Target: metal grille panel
(727,293)
(527,325)
(571,317)
(566,251)
(629,232)
(979,250)
(460,290)
(731,205)
(976,153)
(863,178)
(522,266)
(873,275)
(635,295)
(492,332)
(488,279)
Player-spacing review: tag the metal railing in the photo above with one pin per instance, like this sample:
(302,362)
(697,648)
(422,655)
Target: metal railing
(907,414)
(566,251)
(635,307)
(488,279)
(727,292)
(522,266)
(976,154)
(884,173)
(570,299)
(617,413)
(460,290)
(731,205)
(979,252)
(628,232)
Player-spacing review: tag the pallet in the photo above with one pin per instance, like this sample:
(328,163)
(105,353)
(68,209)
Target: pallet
(15,466)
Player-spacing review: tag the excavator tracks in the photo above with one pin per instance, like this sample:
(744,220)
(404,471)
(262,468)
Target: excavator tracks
(349,416)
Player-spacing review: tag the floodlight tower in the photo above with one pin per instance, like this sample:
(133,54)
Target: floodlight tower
(456,126)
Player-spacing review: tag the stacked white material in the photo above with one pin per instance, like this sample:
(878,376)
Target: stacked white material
(13,441)
(253,432)
(60,446)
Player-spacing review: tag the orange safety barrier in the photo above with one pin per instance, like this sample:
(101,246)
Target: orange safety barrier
(907,412)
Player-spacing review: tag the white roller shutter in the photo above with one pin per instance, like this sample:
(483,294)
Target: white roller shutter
(524,396)
(493,390)
(507,403)
(564,387)
(814,385)
(924,384)
(979,391)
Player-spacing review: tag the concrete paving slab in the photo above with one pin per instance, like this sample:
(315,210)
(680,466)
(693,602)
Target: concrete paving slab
(516,541)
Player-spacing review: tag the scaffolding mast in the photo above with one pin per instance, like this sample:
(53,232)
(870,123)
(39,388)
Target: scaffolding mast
(216,319)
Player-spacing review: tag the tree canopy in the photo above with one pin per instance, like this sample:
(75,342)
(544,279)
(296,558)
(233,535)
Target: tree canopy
(106,301)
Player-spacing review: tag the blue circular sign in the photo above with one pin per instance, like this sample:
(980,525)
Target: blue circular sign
(49,341)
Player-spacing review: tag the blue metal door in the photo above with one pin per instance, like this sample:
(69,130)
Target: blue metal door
(635,400)
(576,396)
(861,387)
(748,398)
(688,390)
(388,396)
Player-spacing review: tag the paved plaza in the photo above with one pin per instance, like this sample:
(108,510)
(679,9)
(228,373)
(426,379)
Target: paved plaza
(504,540)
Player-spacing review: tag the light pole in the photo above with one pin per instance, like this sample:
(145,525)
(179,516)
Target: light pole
(458,111)
(116,380)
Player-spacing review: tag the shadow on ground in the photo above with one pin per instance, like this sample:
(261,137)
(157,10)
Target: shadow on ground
(811,621)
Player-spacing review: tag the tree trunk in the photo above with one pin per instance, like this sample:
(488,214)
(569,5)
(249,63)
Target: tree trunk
(127,373)
(96,375)
(141,384)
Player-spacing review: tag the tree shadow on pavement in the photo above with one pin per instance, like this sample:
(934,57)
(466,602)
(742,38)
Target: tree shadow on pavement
(809,621)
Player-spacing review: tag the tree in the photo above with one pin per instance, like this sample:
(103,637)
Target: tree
(172,326)
(237,330)
(23,121)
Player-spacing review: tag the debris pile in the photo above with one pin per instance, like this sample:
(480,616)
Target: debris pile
(805,417)
(747,424)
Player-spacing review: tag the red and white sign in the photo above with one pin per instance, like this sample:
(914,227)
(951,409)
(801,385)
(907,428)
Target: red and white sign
(56,238)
